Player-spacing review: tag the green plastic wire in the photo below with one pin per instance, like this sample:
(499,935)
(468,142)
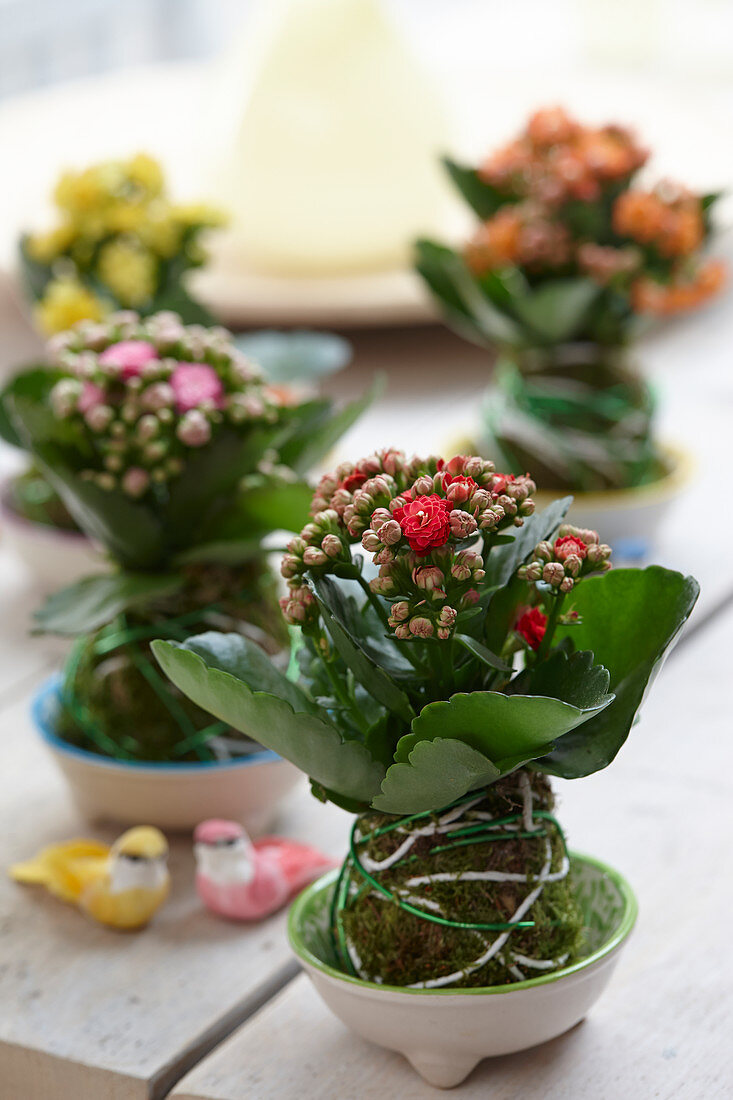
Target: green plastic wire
(115,636)
(471,834)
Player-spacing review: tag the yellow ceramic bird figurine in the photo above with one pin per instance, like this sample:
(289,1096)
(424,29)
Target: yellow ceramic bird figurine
(121,886)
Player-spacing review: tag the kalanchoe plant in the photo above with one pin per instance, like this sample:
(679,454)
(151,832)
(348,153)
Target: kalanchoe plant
(171,453)
(570,261)
(455,649)
(119,242)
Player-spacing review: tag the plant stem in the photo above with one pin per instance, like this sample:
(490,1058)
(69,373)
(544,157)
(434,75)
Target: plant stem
(343,696)
(552,618)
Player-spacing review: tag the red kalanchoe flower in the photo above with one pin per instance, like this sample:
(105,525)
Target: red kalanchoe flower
(531,626)
(354,481)
(569,544)
(460,488)
(425,523)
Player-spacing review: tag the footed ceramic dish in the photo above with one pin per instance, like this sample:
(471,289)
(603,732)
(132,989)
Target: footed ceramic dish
(444,1033)
(249,790)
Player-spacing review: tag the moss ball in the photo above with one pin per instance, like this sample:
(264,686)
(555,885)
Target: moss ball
(466,864)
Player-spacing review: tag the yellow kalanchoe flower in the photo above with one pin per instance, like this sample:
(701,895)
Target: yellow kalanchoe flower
(65,302)
(129,271)
(46,247)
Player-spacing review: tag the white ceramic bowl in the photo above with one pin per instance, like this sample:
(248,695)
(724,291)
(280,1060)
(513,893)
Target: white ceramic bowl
(53,557)
(171,796)
(445,1033)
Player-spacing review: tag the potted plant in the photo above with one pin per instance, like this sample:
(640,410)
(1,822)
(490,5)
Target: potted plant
(571,260)
(172,454)
(118,242)
(491,650)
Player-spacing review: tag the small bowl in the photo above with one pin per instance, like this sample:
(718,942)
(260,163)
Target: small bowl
(444,1033)
(171,796)
(54,557)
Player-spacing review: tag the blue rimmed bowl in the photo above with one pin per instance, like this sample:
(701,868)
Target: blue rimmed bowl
(445,1033)
(171,796)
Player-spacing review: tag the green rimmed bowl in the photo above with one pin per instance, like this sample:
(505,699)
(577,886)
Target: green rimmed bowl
(444,1033)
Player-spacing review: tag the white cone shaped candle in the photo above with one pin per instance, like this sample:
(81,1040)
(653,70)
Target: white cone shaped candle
(333,168)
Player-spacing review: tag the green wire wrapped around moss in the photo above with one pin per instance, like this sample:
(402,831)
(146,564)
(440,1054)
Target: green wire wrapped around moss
(495,859)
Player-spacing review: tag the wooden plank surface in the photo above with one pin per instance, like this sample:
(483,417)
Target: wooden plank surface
(663,814)
(88,1013)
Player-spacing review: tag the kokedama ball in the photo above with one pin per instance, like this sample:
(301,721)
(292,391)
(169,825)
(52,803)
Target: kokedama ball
(490,859)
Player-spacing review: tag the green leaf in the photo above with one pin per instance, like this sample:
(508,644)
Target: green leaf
(229,551)
(629,619)
(378,683)
(573,677)
(483,199)
(484,654)
(495,724)
(175,297)
(465,301)
(93,601)
(314,428)
(264,504)
(556,310)
(435,774)
(296,356)
(208,677)
(243,658)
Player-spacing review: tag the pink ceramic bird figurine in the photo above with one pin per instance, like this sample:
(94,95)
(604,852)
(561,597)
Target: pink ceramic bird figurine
(245,880)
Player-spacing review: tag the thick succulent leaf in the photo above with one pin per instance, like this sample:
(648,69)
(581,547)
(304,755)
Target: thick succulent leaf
(32,385)
(557,310)
(467,303)
(436,773)
(93,601)
(483,199)
(296,356)
(283,722)
(573,677)
(315,428)
(629,619)
(495,724)
(176,298)
(228,551)
(265,504)
(370,675)
(485,655)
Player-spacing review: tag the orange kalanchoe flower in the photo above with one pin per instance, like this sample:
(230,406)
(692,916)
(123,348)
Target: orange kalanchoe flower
(519,234)
(672,222)
(665,299)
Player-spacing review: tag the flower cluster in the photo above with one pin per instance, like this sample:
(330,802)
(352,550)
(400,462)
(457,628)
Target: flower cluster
(557,159)
(559,182)
(147,392)
(575,553)
(420,520)
(116,243)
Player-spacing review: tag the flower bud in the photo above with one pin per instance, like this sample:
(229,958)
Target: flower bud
(382,586)
(543,550)
(428,577)
(573,565)
(447,616)
(194,430)
(148,427)
(462,524)
(135,481)
(552,573)
(290,566)
(65,397)
(380,516)
(332,546)
(423,486)
(371,542)
(400,611)
(99,417)
(158,395)
(313,556)
(402,631)
(566,584)
(421,627)
(385,555)
(390,532)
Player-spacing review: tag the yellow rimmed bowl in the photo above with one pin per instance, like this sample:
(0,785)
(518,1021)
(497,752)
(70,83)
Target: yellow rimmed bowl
(445,1033)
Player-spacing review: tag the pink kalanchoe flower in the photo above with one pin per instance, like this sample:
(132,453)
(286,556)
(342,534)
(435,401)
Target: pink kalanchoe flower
(130,356)
(91,395)
(194,384)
